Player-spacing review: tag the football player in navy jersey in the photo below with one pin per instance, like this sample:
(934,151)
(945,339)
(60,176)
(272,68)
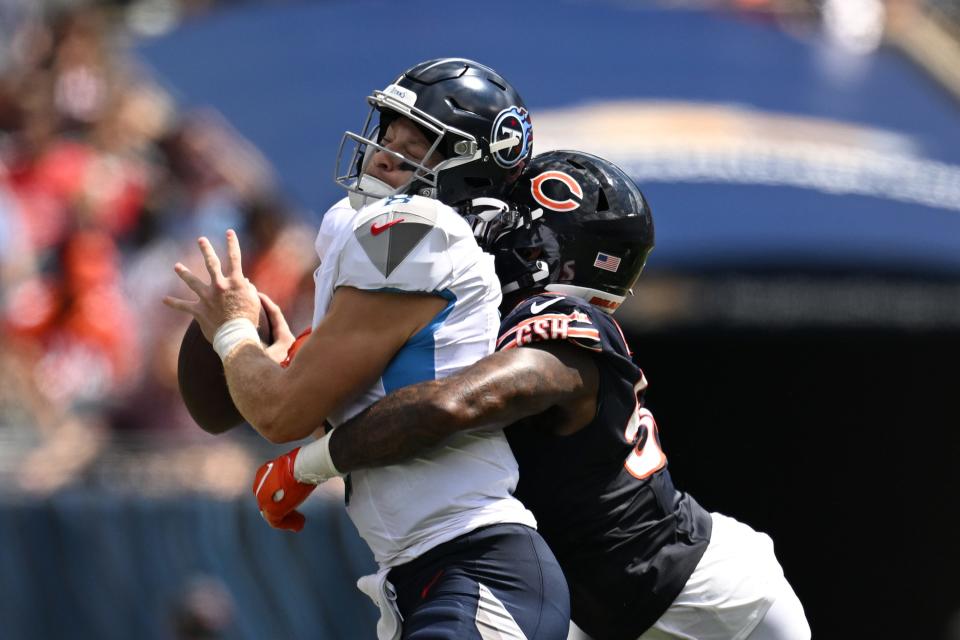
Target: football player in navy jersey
(643,559)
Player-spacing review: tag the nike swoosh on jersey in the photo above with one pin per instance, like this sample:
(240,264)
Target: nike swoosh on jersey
(536,307)
(377,229)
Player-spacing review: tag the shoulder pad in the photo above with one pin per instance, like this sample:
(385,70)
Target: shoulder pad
(550,317)
(407,243)
(389,229)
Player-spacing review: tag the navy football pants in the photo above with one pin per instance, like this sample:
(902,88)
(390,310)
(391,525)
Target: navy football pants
(500,581)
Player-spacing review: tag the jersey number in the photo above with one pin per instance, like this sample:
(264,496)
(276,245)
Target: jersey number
(647,457)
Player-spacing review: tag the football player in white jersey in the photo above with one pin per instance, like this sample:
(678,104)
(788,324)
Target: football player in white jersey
(404,294)
(643,560)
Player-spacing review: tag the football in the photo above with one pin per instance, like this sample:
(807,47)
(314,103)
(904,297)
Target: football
(203,385)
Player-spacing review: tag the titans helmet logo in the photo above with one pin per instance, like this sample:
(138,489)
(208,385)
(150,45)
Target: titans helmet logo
(511,123)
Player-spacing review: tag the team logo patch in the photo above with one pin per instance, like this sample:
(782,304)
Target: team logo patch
(607,262)
(556,191)
(512,122)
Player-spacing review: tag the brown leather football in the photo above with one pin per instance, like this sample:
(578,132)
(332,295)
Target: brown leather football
(203,385)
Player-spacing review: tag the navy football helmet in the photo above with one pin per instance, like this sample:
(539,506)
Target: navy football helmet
(471,115)
(576,224)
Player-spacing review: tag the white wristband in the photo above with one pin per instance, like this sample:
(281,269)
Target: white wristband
(314,464)
(232,334)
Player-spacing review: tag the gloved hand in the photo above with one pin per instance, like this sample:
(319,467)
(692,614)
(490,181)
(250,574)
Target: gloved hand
(279,493)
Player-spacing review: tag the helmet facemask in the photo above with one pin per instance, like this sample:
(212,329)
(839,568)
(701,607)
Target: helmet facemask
(356,151)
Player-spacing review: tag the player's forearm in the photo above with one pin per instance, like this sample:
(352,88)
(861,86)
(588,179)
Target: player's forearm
(400,426)
(260,391)
(492,393)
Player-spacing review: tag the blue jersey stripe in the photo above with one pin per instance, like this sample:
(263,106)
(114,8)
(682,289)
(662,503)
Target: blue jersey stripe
(416,361)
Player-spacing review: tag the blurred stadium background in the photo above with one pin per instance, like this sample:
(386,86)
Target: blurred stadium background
(799,320)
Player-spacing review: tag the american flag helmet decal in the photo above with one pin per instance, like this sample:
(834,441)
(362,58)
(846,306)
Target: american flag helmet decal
(607,262)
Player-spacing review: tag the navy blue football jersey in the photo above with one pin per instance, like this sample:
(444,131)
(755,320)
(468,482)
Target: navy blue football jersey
(626,538)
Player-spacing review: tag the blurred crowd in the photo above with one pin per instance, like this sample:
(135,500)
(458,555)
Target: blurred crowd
(104,185)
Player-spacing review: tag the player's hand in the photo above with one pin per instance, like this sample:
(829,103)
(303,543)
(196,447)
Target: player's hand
(282,336)
(227,296)
(278,493)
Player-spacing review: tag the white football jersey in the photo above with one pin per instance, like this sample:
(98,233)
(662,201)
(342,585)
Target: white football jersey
(416,244)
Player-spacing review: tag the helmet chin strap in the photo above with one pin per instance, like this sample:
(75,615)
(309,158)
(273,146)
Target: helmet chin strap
(369,189)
